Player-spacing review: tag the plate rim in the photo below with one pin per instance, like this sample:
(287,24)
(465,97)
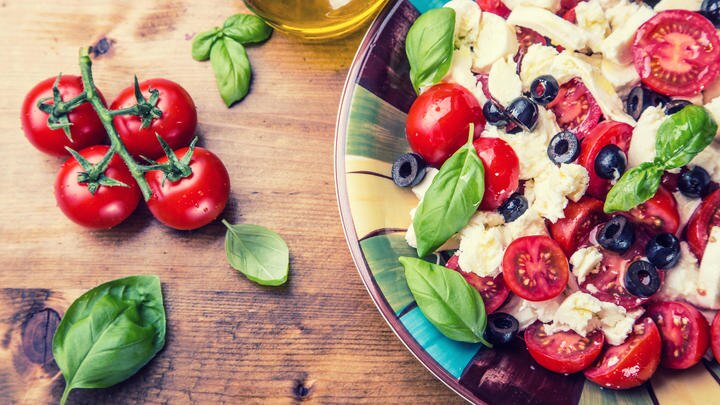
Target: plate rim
(351,237)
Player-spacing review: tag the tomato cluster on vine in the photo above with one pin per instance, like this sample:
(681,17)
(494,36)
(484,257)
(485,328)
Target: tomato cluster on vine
(142,146)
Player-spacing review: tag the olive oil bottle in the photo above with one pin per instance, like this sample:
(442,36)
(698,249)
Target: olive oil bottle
(316,19)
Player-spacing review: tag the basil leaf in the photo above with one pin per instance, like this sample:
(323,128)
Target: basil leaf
(257,252)
(683,135)
(232,70)
(635,187)
(109,333)
(429,46)
(246,28)
(202,44)
(451,200)
(447,300)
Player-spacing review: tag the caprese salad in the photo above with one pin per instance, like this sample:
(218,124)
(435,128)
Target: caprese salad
(565,159)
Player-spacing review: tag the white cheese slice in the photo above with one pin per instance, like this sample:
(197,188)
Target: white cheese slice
(555,186)
(591,19)
(691,5)
(585,261)
(686,206)
(424,185)
(617,47)
(709,277)
(642,145)
(552,5)
(623,77)
(460,73)
(496,39)
(527,312)
(467,21)
(503,82)
(559,30)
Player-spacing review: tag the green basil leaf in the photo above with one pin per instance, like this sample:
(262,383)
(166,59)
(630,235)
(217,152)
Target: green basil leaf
(232,69)
(257,252)
(447,300)
(246,28)
(429,46)
(683,135)
(451,200)
(110,332)
(202,43)
(635,187)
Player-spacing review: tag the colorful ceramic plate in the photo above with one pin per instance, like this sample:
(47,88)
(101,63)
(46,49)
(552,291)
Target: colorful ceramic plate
(375,214)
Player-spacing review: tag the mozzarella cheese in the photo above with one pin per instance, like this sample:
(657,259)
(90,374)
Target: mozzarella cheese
(552,5)
(686,206)
(692,5)
(683,280)
(591,19)
(544,22)
(709,277)
(460,72)
(424,185)
(481,251)
(530,223)
(467,21)
(642,145)
(583,313)
(496,39)
(623,77)
(585,261)
(554,186)
(709,159)
(713,108)
(503,82)
(711,92)
(527,312)
(536,62)
(625,22)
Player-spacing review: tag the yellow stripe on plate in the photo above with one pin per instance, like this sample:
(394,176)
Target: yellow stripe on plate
(361,163)
(694,386)
(377,203)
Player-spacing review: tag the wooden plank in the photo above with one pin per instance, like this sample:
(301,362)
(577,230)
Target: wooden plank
(229,341)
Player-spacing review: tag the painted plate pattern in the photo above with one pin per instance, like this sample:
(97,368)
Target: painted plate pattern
(375,214)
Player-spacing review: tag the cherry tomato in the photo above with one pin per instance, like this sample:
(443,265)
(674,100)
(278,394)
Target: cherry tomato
(86,129)
(527,37)
(438,122)
(580,218)
(494,6)
(563,352)
(570,16)
(176,126)
(192,201)
(109,206)
(575,108)
(491,289)
(631,363)
(605,133)
(676,52)
(685,333)
(535,268)
(502,169)
(706,216)
(660,212)
(715,335)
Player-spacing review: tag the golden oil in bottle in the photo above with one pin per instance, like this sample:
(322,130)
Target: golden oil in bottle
(316,19)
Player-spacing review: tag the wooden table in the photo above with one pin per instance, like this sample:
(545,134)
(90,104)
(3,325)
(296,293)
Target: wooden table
(229,341)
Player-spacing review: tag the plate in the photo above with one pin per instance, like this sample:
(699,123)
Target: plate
(370,134)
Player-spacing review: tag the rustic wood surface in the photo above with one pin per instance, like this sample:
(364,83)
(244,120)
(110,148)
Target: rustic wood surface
(319,338)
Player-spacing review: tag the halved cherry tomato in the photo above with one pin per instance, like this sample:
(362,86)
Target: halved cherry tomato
(676,52)
(438,122)
(580,218)
(605,133)
(685,333)
(706,216)
(631,363)
(527,37)
(494,6)
(660,212)
(502,170)
(535,268)
(575,108)
(492,289)
(563,352)
(715,337)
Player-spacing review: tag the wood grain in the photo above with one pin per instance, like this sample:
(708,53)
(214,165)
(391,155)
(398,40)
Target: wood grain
(319,338)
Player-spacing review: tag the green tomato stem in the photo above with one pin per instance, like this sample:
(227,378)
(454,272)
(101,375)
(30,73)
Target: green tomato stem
(106,116)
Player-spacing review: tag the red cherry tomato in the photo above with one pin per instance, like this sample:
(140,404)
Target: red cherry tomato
(176,126)
(109,206)
(502,169)
(527,37)
(491,289)
(631,363)
(570,16)
(676,52)
(494,6)
(575,108)
(563,352)
(685,333)
(86,129)
(715,335)
(535,268)
(660,212)
(605,133)
(193,201)
(438,122)
(580,218)
(706,216)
